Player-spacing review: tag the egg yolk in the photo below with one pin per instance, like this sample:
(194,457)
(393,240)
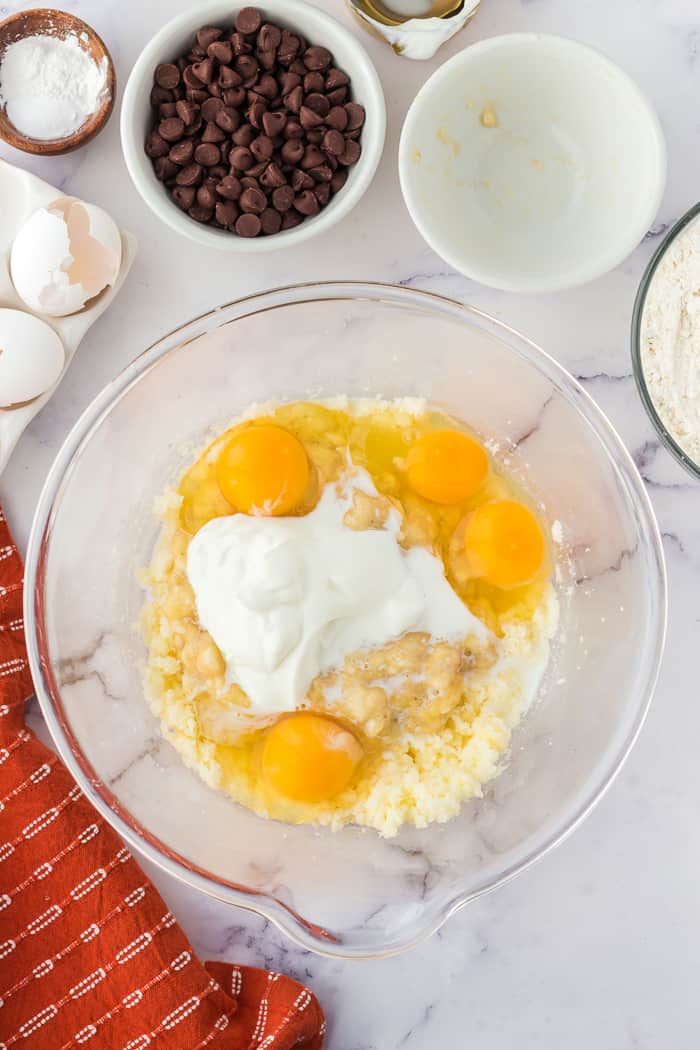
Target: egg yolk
(446,466)
(309,758)
(263,470)
(504,544)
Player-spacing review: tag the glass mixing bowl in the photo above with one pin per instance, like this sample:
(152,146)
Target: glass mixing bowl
(349,893)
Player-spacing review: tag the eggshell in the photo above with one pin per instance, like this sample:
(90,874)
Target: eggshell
(64,256)
(31,357)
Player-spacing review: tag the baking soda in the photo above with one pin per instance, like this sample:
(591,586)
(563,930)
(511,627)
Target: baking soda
(50,86)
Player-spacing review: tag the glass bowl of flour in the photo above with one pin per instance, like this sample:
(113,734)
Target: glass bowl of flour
(666,340)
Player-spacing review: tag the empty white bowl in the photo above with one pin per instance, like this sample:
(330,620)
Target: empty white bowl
(532,163)
(173,40)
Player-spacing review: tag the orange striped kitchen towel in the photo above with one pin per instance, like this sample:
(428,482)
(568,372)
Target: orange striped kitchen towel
(90,955)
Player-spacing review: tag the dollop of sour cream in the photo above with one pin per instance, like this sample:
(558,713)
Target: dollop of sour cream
(285,599)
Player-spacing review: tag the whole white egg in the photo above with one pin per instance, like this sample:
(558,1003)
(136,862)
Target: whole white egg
(65,255)
(31,357)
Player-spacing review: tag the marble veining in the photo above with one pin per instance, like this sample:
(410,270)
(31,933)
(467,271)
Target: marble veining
(598,944)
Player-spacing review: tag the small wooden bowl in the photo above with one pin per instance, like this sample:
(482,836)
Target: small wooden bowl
(45,21)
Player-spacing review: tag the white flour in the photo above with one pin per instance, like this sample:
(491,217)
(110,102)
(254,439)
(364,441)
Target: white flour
(50,86)
(670,340)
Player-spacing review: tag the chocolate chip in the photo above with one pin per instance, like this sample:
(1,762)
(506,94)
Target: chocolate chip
(211,107)
(187,111)
(171,129)
(222,51)
(323,173)
(255,114)
(262,147)
(204,70)
(312,158)
(190,80)
(234,96)
(253,200)
(167,76)
(338,181)
(248,225)
(271,221)
(356,115)
(283,198)
(288,81)
(314,136)
(167,109)
(336,78)
(267,87)
(313,83)
(318,103)
(165,168)
(257,169)
(241,158)
(351,153)
(309,119)
(269,37)
(293,130)
(197,95)
(337,118)
(226,213)
(159,95)
(248,20)
(182,152)
(338,96)
(288,48)
(194,127)
(333,143)
(322,193)
(306,203)
(206,197)
(207,35)
(267,59)
(249,183)
(228,119)
(218,172)
(189,176)
(295,99)
(292,151)
(273,176)
(200,214)
(230,188)
(229,77)
(213,133)
(184,197)
(247,66)
(156,146)
(317,58)
(273,123)
(244,135)
(207,154)
(240,45)
(291,218)
(297,66)
(301,181)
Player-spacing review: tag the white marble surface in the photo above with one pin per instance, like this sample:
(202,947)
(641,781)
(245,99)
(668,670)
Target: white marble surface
(599,944)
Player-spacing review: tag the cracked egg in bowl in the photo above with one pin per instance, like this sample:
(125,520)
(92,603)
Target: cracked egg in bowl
(391,630)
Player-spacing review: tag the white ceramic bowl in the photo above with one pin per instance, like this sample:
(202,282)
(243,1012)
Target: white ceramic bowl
(173,39)
(558,190)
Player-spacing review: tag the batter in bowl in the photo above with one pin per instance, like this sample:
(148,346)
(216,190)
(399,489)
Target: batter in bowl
(349,609)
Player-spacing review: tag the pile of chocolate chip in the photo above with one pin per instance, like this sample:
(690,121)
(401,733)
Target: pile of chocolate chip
(254,129)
